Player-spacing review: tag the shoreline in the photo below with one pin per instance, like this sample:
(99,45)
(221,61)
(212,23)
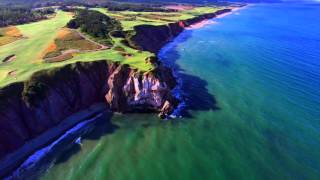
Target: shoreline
(210,21)
(18,167)
(47,155)
(15,160)
(201,24)
(177,92)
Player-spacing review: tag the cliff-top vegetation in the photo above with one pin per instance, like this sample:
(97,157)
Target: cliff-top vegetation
(79,36)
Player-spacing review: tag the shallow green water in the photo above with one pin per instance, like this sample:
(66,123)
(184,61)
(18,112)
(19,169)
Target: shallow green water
(251,83)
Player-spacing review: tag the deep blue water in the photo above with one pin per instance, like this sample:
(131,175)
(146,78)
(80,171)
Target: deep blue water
(251,83)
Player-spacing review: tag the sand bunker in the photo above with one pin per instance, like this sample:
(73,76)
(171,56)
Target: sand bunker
(9,58)
(12,73)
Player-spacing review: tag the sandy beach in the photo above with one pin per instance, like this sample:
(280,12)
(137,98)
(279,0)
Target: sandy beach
(208,21)
(201,24)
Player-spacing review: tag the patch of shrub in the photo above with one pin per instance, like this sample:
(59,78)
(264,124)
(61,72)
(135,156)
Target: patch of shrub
(94,23)
(138,7)
(16,15)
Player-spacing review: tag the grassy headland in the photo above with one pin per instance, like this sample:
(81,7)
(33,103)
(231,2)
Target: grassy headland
(129,19)
(28,51)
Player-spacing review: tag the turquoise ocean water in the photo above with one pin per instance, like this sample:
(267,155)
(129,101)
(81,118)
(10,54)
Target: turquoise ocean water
(251,83)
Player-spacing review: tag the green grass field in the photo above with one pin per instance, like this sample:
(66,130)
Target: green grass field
(28,50)
(39,35)
(130,19)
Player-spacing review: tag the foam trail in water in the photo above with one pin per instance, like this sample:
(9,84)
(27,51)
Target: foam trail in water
(35,159)
(177,91)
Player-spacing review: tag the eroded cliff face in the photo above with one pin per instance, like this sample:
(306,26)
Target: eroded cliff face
(153,38)
(28,109)
(132,91)
(31,108)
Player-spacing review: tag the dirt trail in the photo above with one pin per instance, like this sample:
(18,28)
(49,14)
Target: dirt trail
(88,39)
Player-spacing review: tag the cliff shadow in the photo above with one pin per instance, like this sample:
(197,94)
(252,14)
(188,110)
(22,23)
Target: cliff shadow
(61,151)
(192,89)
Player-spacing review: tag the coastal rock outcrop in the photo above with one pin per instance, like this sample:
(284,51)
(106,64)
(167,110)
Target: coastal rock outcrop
(133,91)
(28,109)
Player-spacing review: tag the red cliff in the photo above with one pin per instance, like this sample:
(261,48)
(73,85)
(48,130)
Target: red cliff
(31,108)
